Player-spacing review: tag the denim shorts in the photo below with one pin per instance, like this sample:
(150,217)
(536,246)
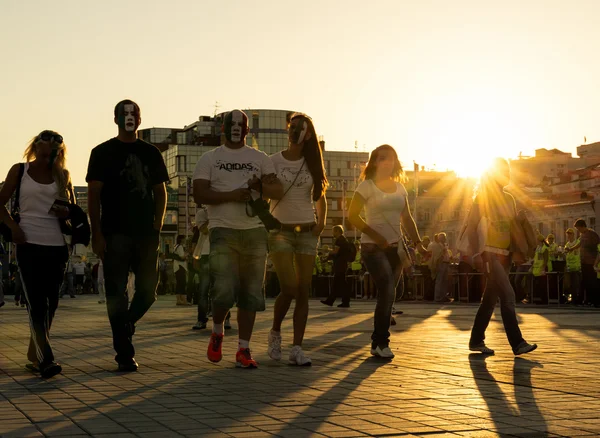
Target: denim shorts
(237,268)
(289,241)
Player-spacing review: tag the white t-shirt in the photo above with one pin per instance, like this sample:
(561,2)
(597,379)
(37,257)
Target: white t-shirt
(227,170)
(382,210)
(201,219)
(297,206)
(79,268)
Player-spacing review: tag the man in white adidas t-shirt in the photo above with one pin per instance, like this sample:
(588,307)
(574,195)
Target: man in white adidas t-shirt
(225,179)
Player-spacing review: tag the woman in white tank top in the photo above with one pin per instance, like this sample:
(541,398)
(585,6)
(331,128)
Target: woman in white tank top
(293,248)
(41,250)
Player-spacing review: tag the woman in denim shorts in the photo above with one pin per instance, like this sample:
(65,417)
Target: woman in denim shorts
(293,247)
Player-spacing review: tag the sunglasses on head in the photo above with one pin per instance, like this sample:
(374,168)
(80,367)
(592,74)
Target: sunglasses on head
(50,136)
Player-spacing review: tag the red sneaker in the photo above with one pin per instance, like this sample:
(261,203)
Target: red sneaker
(243,359)
(214,347)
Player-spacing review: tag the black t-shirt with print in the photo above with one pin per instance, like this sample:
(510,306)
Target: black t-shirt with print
(128,171)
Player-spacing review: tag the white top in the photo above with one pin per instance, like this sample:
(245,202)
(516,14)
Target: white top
(297,206)
(79,268)
(202,218)
(180,251)
(382,210)
(227,170)
(40,227)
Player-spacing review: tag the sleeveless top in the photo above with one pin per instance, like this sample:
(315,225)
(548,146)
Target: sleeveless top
(40,227)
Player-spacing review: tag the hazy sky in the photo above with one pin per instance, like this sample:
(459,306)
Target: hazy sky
(450,83)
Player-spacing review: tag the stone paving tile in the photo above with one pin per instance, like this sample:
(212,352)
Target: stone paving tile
(433,387)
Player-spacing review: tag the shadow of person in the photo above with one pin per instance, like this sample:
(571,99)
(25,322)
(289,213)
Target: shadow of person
(507,416)
(524,396)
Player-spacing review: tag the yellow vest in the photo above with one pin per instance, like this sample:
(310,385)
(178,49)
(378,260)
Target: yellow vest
(572,259)
(356,265)
(538,261)
(498,222)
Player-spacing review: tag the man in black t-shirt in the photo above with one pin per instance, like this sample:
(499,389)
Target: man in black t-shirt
(342,255)
(126,181)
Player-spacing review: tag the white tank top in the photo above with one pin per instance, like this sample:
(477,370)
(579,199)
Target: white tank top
(35,200)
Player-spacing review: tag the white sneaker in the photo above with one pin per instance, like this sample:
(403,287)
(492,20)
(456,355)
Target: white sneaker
(274,349)
(384,353)
(297,357)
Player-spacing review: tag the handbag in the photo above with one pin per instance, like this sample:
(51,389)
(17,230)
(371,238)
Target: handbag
(261,207)
(5,231)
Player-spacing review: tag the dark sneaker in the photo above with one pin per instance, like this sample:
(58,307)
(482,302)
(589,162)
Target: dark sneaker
(393,321)
(227,324)
(129,366)
(199,326)
(50,370)
(524,347)
(34,367)
(327,303)
(482,348)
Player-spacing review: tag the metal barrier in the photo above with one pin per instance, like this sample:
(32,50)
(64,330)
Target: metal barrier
(460,281)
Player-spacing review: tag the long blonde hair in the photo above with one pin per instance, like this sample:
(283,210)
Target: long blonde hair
(59,173)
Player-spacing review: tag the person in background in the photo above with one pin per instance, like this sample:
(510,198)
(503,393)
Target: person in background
(203,268)
(79,269)
(163,274)
(342,255)
(99,282)
(68,283)
(180,267)
(552,248)
(588,251)
(572,279)
(540,268)
(442,269)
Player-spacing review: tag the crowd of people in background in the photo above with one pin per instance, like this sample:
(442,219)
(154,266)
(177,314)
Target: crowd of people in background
(244,247)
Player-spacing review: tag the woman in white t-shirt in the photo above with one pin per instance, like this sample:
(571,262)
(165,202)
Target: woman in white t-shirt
(384,199)
(293,248)
(43,184)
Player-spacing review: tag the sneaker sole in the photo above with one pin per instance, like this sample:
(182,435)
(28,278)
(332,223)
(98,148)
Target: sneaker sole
(213,360)
(293,362)
(482,351)
(240,365)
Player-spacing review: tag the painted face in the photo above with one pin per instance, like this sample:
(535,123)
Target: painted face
(235,126)
(129,117)
(298,129)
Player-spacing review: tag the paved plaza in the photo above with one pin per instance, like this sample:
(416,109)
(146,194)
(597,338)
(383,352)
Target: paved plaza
(433,387)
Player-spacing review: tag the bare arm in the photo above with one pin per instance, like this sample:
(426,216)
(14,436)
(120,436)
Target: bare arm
(203,194)
(160,204)
(321,208)
(354,217)
(271,186)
